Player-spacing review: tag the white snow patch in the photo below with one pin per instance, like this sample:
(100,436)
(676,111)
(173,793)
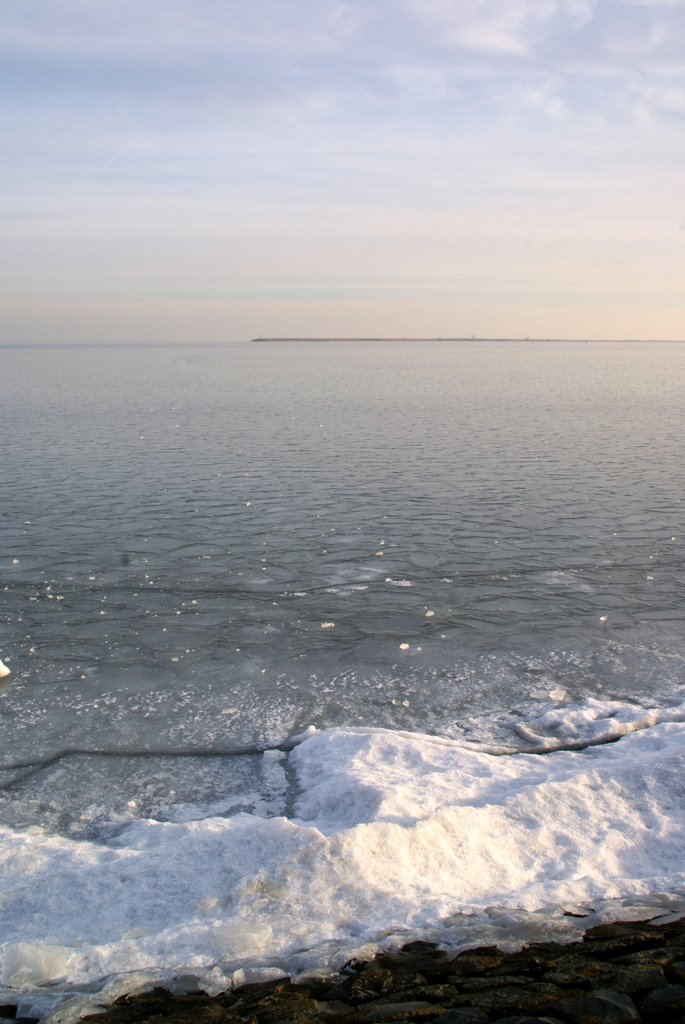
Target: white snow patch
(393,836)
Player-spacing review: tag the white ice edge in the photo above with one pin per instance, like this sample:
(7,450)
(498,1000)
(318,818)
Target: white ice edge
(391,836)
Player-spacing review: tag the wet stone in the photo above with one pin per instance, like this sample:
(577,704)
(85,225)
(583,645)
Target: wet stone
(479,962)
(491,983)
(417,958)
(547,983)
(675,950)
(262,989)
(581,972)
(599,1008)
(161,1003)
(529,1020)
(576,971)
(659,955)
(675,972)
(412,979)
(411,1011)
(370,982)
(532,962)
(664,1004)
(333,1008)
(607,941)
(340,989)
(438,993)
(538,999)
(293,1006)
(464,1015)
(633,980)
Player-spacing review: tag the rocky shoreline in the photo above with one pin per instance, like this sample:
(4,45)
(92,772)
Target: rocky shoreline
(618,974)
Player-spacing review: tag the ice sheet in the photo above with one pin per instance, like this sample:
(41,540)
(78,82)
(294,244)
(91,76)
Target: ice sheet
(388,835)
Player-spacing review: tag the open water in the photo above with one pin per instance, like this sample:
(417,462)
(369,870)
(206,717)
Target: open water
(315,647)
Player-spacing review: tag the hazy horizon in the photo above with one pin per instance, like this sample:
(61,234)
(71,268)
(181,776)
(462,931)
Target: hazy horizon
(184,343)
(206,172)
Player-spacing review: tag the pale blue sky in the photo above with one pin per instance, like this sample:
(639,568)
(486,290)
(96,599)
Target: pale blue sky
(213,170)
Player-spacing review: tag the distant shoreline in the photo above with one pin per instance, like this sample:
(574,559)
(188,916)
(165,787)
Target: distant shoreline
(27,346)
(532,341)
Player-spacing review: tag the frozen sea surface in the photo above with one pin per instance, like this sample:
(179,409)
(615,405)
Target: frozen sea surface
(373,838)
(313,648)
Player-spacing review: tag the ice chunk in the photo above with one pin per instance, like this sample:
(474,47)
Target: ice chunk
(389,833)
(35,963)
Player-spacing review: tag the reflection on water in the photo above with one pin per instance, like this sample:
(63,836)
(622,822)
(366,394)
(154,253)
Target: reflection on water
(180,523)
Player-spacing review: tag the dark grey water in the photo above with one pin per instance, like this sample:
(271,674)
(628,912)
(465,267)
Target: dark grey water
(206,548)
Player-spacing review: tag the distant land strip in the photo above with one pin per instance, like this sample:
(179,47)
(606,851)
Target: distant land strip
(473,337)
(384,339)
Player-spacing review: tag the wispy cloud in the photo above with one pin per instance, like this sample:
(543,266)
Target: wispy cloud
(283,142)
(669,99)
(514,29)
(655,3)
(421,81)
(160,32)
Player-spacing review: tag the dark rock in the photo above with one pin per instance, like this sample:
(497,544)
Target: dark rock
(424,949)
(412,1011)
(675,950)
(533,961)
(601,1007)
(339,989)
(438,993)
(588,982)
(8,1010)
(675,972)
(479,962)
(463,1015)
(577,971)
(334,1008)
(410,981)
(161,1003)
(660,955)
(622,930)
(370,982)
(491,982)
(664,1004)
(417,958)
(582,972)
(278,1005)
(538,999)
(611,940)
(635,980)
(263,988)
(528,1020)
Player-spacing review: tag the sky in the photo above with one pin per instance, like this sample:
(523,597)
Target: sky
(210,170)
